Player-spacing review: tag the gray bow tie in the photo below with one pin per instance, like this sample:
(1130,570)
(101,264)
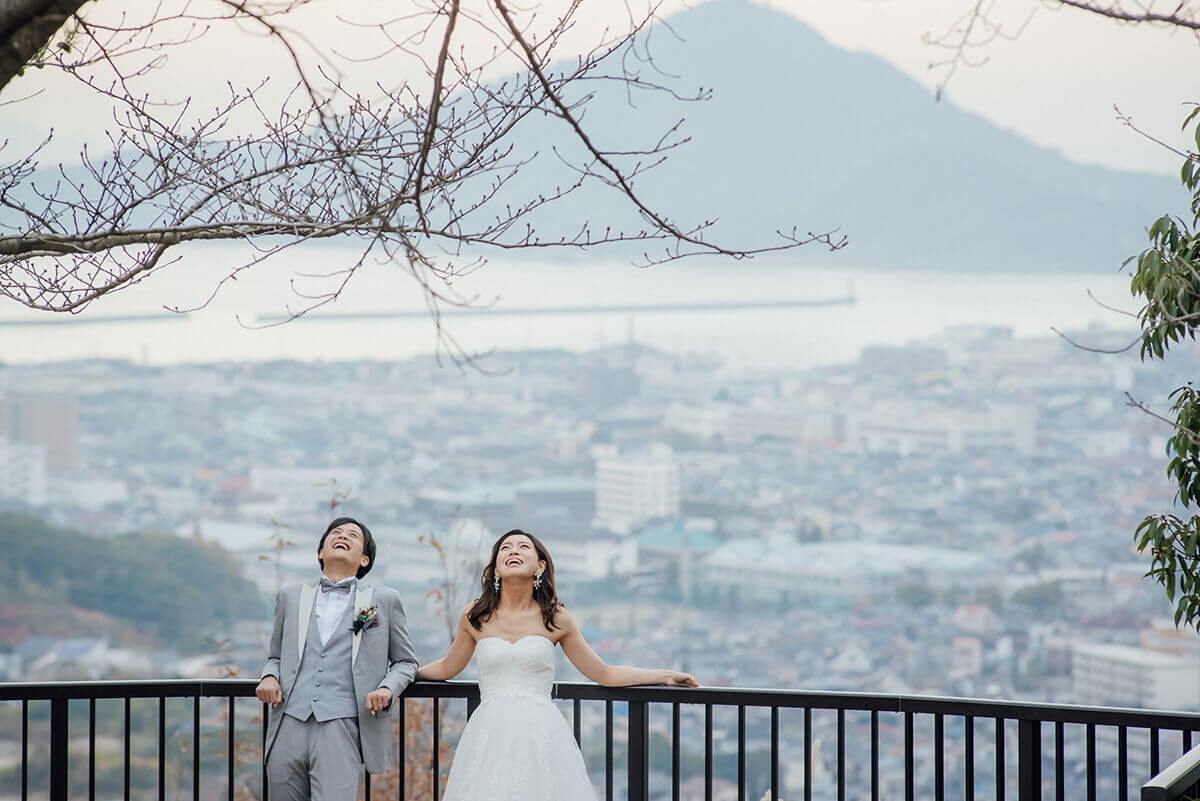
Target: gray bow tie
(345,585)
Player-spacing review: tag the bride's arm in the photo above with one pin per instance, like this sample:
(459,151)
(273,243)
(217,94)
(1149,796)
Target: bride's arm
(587,662)
(456,658)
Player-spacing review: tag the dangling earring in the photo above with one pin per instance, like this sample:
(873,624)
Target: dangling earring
(537,582)
(495,583)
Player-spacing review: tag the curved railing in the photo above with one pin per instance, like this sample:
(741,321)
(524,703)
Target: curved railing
(707,743)
(1180,780)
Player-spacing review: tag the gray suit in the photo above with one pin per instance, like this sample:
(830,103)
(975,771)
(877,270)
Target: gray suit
(381,655)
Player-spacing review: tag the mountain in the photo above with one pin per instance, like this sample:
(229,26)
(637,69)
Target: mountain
(174,591)
(799,132)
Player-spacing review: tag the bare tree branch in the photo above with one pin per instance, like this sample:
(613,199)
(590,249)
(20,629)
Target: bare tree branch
(421,176)
(26,28)
(983,24)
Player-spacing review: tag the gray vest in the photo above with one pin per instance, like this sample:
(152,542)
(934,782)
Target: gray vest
(324,685)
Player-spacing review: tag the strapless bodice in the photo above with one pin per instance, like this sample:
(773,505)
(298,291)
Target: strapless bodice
(524,668)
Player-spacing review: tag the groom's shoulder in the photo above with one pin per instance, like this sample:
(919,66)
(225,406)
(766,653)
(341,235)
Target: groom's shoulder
(290,590)
(382,591)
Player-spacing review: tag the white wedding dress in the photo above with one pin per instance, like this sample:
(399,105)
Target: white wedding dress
(517,746)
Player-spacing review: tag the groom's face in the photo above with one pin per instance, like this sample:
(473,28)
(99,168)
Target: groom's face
(344,545)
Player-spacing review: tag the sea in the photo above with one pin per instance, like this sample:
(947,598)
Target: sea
(299,305)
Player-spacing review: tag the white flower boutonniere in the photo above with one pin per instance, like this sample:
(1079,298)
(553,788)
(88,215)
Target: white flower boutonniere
(366,618)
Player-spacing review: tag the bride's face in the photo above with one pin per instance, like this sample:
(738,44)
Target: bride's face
(517,558)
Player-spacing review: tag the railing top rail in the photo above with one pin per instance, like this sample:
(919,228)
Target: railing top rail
(1175,778)
(717,696)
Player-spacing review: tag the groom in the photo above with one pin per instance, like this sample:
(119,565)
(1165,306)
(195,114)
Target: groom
(339,655)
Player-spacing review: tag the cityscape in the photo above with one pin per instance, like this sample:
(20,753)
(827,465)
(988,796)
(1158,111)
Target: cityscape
(949,517)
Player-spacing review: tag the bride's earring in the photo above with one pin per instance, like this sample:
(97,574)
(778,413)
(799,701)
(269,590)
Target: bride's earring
(495,583)
(537,581)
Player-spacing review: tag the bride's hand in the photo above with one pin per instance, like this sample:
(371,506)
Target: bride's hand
(676,678)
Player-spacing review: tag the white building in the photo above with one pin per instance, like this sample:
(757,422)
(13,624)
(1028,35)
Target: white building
(1124,675)
(635,488)
(595,558)
(777,420)
(23,470)
(823,574)
(928,428)
(710,421)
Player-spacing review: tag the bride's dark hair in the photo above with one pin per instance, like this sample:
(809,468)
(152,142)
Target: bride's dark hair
(489,598)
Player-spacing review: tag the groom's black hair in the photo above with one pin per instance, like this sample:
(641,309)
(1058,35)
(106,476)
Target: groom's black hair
(368,543)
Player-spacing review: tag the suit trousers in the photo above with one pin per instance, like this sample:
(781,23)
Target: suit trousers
(315,761)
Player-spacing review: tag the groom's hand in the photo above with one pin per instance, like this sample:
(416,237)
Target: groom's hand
(378,700)
(268,690)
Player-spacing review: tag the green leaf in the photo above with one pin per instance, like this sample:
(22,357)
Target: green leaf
(1191,116)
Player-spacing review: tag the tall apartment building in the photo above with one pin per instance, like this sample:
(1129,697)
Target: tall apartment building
(51,421)
(636,487)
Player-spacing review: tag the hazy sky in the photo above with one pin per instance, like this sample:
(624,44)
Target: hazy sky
(1056,84)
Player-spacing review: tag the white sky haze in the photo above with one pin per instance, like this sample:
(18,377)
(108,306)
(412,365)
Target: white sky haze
(1056,83)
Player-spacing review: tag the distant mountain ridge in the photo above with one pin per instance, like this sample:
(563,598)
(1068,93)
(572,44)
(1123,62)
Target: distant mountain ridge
(799,132)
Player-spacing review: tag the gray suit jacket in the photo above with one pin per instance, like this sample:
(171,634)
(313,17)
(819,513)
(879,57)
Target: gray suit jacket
(382,656)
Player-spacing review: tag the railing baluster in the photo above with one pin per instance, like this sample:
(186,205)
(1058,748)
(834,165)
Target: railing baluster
(58,749)
(969,756)
(637,751)
(608,751)
(127,754)
(91,749)
(366,785)
(1029,760)
(196,748)
(24,749)
(266,786)
(1060,766)
(1091,762)
(675,773)
(939,758)
(231,746)
(403,756)
(774,754)
(741,752)
(909,765)
(437,742)
(708,752)
(841,755)
(1123,764)
(1154,766)
(577,721)
(162,746)
(808,754)
(1187,740)
(999,759)
(874,755)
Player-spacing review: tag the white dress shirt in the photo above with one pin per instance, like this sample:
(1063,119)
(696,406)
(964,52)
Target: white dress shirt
(331,605)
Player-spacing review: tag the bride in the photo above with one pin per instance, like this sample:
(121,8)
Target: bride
(517,746)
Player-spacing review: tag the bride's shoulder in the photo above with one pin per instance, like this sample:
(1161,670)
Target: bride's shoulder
(563,619)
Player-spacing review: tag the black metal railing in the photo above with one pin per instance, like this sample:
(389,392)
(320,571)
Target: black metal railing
(140,738)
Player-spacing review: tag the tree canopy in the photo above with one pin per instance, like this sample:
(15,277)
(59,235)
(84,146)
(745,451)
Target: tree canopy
(173,590)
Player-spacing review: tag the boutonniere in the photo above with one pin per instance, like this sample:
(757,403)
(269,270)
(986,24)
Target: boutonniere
(366,618)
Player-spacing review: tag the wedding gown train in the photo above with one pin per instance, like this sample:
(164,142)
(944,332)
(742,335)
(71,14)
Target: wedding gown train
(517,746)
